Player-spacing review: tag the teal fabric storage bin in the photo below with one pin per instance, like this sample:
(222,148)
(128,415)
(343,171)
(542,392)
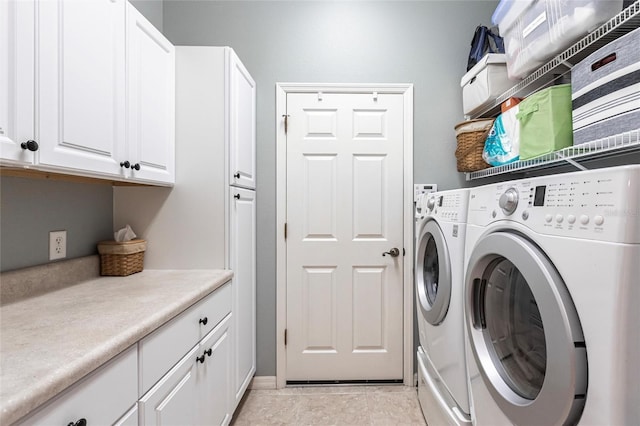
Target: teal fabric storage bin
(545,121)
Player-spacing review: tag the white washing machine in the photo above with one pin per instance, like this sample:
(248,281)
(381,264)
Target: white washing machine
(552,290)
(439,279)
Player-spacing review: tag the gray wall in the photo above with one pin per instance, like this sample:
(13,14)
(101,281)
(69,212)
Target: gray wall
(151,9)
(30,208)
(421,42)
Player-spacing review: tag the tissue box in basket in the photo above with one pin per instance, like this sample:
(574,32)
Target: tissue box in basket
(121,259)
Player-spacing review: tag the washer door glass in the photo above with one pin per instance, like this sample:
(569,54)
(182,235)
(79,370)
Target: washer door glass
(433,273)
(431,269)
(515,334)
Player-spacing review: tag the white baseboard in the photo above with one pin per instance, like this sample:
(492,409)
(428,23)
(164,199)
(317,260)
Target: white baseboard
(263,382)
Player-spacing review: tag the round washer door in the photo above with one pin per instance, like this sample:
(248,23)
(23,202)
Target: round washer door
(433,273)
(524,332)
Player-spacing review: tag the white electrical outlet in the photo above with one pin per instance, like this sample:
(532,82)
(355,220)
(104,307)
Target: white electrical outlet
(57,245)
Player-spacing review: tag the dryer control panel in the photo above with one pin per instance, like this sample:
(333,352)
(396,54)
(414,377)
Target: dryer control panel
(602,204)
(449,206)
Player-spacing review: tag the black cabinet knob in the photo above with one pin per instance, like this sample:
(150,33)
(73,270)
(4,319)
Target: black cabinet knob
(31,145)
(200,359)
(237,175)
(203,321)
(81,422)
(125,164)
(135,166)
(208,352)
(237,196)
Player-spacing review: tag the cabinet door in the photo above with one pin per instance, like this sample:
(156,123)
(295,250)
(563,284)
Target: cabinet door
(214,376)
(100,398)
(130,418)
(17,32)
(173,399)
(242,124)
(243,263)
(150,100)
(80,78)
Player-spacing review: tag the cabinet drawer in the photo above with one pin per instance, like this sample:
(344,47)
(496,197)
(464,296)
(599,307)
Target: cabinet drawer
(163,348)
(101,398)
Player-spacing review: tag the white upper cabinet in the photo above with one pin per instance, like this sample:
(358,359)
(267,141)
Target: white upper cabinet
(87,88)
(150,100)
(17,20)
(80,77)
(242,123)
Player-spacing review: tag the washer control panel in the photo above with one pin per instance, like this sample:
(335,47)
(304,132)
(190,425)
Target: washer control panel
(599,204)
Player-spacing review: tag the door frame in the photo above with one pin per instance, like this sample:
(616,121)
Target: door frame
(282,89)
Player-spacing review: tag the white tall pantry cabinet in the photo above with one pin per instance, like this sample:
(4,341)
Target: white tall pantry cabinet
(208,219)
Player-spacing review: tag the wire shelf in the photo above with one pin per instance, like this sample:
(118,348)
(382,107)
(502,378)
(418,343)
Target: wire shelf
(624,142)
(621,24)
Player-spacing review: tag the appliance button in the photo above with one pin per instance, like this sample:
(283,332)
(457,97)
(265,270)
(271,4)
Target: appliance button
(598,220)
(494,214)
(525,215)
(571,219)
(548,218)
(584,219)
(559,218)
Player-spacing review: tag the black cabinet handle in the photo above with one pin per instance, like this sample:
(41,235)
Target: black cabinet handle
(200,359)
(208,352)
(125,164)
(237,196)
(203,321)
(31,145)
(81,422)
(135,166)
(237,175)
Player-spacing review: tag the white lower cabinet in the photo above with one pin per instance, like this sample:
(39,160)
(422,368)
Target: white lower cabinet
(130,418)
(102,398)
(171,401)
(242,249)
(214,376)
(197,390)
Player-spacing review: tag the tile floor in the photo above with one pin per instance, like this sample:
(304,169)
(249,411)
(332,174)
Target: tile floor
(340,405)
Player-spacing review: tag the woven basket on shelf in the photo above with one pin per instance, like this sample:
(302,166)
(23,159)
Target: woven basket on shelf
(471,135)
(121,259)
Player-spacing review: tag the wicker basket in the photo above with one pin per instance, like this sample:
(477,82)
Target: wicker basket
(471,135)
(121,259)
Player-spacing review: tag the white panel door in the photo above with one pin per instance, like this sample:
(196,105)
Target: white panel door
(80,71)
(242,124)
(242,250)
(150,100)
(344,210)
(17,32)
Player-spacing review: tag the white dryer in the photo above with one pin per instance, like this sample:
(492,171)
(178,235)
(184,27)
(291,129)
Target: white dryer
(439,279)
(551,299)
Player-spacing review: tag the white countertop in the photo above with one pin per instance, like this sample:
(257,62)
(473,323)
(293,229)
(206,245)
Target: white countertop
(49,342)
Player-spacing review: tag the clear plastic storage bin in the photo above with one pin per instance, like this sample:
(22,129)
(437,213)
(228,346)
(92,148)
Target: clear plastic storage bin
(535,31)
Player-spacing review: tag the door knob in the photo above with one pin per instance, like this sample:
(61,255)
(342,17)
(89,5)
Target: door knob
(394,252)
